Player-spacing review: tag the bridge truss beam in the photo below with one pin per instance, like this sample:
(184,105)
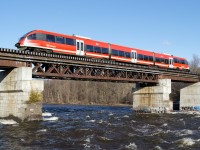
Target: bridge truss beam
(86,72)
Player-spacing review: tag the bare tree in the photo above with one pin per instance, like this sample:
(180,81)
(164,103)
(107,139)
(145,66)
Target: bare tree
(87,92)
(195,64)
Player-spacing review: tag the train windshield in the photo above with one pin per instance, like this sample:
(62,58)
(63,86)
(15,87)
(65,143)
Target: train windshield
(24,36)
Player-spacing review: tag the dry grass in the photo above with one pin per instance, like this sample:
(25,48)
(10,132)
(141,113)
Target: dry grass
(35,96)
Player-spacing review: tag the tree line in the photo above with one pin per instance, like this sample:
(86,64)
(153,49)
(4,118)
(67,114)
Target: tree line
(102,93)
(87,92)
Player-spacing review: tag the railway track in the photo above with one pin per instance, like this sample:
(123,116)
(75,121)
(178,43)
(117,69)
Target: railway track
(15,58)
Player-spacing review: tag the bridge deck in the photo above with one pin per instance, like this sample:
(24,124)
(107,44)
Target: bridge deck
(75,67)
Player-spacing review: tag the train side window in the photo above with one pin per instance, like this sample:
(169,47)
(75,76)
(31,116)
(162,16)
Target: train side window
(97,49)
(150,58)
(60,40)
(166,61)
(146,57)
(50,38)
(121,53)
(158,59)
(89,48)
(176,60)
(104,51)
(140,56)
(40,36)
(32,37)
(69,41)
(162,60)
(127,55)
(182,62)
(115,52)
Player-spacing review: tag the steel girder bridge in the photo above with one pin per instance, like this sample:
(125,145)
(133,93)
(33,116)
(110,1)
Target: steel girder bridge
(57,66)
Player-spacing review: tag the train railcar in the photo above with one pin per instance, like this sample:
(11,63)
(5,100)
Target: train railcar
(50,42)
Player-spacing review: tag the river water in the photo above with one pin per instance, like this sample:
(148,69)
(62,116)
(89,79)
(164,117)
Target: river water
(102,128)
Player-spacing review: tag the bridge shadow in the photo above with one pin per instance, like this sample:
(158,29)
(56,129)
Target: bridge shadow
(175,93)
(4,73)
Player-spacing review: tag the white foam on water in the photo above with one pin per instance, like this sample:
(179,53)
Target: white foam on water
(100,121)
(185,142)
(42,130)
(131,146)
(184,132)
(110,114)
(125,116)
(84,129)
(131,135)
(104,138)
(50,119)
(197,114)
(87,140)
(46,114)
(164,125)
(8,122)
(87,116)
(173,112)
(158,148)
(91,121)
(22,140)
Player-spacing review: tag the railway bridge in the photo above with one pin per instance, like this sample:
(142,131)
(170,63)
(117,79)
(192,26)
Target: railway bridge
(152,86)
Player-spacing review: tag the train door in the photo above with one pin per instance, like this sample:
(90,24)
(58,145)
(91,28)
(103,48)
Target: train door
(80,47)
(171,63)
(134,56)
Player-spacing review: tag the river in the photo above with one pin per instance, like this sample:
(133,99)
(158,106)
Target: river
(102,128)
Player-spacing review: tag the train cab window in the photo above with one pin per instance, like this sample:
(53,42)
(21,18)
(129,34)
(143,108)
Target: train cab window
(32,37)
(89,48)
(50,38)
(150,58)
(104,51)
(97,49)
(185,62)
(127,55)
(121,53)
(69,41)
(60,40)
(140,56)
(115,52)
(146,57)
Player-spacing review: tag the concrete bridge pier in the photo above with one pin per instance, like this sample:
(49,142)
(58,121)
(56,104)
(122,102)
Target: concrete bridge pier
(190,98)
(153,99)
(20,96)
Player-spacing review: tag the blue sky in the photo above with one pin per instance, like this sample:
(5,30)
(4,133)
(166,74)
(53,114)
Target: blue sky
(165,26)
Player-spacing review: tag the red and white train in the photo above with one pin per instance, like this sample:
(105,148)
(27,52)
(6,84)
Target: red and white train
(50,42)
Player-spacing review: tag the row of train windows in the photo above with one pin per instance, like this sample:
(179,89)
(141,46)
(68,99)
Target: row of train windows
(102,50)
(96,49)
(180,61)
(150,58)
(51,38)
